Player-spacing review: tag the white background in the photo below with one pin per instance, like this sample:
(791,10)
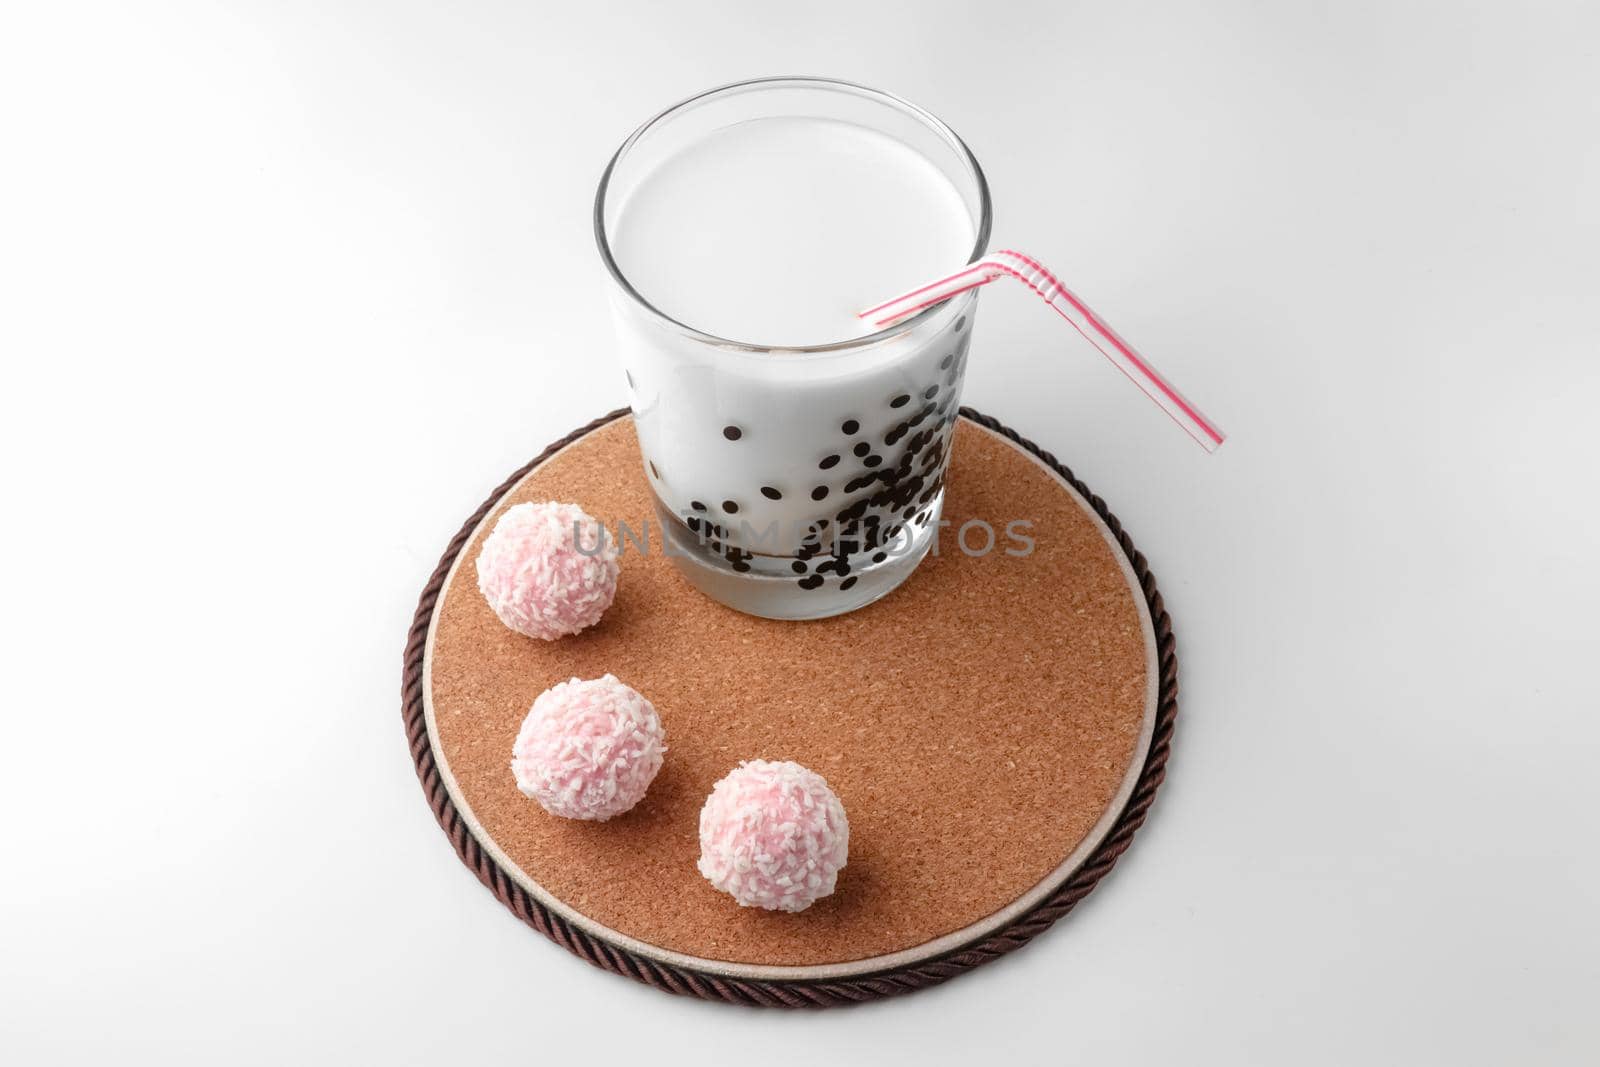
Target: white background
(285,289)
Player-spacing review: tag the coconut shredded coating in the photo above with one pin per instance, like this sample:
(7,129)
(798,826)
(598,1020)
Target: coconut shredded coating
(589,749)
(536,579)
(774,836)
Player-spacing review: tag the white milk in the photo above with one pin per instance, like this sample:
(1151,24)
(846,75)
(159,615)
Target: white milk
(777,231)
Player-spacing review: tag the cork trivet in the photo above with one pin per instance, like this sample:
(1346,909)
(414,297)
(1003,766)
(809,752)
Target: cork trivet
(995,728)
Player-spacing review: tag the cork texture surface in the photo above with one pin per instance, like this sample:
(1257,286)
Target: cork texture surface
(976,723)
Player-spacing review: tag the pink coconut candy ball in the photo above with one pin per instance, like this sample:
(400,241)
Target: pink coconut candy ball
(588,750)
(536,579)
(774,836)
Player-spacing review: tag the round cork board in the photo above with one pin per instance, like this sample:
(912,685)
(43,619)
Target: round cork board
(996,729)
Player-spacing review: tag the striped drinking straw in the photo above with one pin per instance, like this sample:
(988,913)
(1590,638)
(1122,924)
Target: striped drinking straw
(1035,276)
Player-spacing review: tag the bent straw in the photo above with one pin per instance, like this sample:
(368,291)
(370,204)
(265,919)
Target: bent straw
(1036,276)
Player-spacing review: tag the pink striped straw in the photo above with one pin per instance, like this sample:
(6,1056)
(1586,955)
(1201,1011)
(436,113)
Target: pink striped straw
(1037,277)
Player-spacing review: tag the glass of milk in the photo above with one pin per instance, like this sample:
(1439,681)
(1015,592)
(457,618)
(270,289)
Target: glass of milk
(796,454)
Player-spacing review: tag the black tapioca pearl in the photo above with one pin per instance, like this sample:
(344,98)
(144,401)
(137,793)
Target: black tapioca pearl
(960,323)
(879,557)
(909,512)
(655,472)
(732,433)
(922,519)
(807,551)
(844,565)
(819,493)
(930,392)
(892,438)
(828,463)
(827,565)
(716,546)
(847,583)
(927,494)
(731,507)
(810,581)
(900,401)
(853,512)
(741,566)
(944,363)
(693,523)
(872,461)
(771,493)
(697,505)
(862,448)
(850,426)
(798,566)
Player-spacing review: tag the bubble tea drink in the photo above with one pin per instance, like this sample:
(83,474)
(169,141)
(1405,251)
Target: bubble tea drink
(795,453)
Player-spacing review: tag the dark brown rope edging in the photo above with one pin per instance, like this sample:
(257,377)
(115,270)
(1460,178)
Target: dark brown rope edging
(814,992)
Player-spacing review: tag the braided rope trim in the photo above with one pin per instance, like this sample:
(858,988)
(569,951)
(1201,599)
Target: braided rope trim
(817,993)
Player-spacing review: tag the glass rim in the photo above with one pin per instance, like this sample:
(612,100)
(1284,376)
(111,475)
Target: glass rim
(927,118)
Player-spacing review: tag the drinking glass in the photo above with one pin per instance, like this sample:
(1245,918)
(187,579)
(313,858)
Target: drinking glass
(803,482)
